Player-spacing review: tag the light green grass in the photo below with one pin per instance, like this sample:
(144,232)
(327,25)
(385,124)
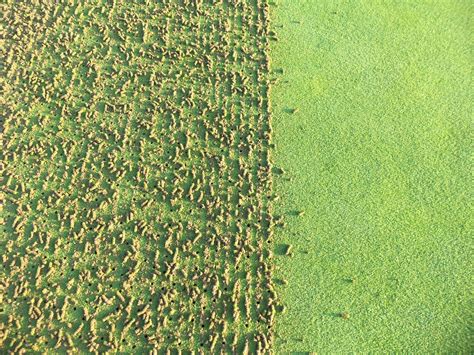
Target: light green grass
(377,154)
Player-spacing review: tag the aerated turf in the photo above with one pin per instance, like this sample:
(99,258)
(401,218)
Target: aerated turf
(136,177)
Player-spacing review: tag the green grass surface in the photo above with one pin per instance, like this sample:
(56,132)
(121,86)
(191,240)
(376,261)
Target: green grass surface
(377,158)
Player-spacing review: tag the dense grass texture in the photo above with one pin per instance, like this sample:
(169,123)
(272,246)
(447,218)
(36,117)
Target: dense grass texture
(376,156)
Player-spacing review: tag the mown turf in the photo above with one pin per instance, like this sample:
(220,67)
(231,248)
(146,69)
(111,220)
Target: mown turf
(377,158)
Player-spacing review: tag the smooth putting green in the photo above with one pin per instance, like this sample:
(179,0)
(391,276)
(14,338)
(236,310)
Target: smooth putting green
(376,155)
